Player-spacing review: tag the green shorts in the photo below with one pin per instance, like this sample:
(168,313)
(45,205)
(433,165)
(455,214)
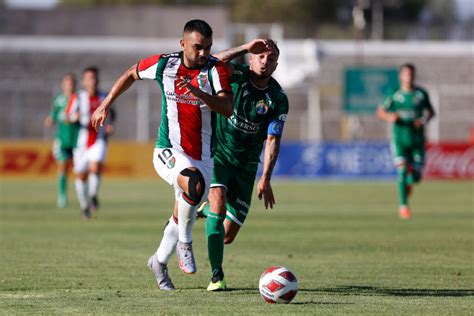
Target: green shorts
(60,153)
(413,155)
(238,184)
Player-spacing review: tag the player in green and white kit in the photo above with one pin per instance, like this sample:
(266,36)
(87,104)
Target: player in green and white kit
(259,114)
(66,134)
(409,110)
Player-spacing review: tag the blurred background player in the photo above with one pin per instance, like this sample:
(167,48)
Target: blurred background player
(260,111)
(409,110)
(91,150)
(66,134)
(194,86)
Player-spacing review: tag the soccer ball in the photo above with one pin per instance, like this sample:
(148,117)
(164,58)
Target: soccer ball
(278,285)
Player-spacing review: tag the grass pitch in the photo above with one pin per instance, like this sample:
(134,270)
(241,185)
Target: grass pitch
(344,241)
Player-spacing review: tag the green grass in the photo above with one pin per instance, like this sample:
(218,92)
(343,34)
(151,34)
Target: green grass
(344,241)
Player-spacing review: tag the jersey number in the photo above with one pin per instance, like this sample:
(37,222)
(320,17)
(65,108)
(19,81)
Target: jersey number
(166,157)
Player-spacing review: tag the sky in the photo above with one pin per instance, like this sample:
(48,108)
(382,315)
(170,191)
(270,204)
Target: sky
(465,8)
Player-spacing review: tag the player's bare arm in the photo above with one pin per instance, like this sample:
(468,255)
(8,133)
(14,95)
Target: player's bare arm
(222,103)
(124,82)
(264,188)
(257,46)
(383,114)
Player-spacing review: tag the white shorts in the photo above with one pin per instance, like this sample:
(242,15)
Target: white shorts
(169,163)
(83,156)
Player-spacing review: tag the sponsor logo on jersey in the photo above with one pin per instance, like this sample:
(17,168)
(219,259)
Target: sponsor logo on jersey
(261,107)
(243,125)
(406,114)
(246,93)
(243,203)
(183,98)
(172,64)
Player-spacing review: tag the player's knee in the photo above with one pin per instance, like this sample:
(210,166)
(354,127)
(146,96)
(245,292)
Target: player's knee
(402,170)
(217,194)
(82,176)
(196,185)
(217,199)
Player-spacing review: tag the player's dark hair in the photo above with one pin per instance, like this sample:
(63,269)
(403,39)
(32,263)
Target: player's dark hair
(274,44)
(93,69)
(409,66)
(198,26)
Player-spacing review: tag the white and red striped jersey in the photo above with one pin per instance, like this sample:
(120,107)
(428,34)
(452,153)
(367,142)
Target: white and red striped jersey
(187,123)
(80,109)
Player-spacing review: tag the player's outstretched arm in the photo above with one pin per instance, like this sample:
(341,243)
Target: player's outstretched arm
(257,46)
(120,86)
(264,188)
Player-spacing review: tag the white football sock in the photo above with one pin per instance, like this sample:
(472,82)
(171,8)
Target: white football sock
(168,242)
(186,218)
(94,181)
(81,192)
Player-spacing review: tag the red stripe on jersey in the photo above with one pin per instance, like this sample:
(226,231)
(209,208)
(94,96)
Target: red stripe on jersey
(94,102)
(148,62)
(70,103)
(189,118)
(223,72)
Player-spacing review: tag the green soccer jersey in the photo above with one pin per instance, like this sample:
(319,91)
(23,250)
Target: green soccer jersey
(66,133)
(409,105)
(239,138)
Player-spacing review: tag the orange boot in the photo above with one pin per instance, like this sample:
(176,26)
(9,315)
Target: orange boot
(404,212)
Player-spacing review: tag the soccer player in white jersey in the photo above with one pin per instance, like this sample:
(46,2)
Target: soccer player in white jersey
(195,86)
(89,154)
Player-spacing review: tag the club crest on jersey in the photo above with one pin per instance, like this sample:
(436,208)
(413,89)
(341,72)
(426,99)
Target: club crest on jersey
(202,80)
(261,107)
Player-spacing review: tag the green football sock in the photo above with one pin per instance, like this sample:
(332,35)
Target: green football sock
(62,184)
(410,179)
(215,241)
(402,185)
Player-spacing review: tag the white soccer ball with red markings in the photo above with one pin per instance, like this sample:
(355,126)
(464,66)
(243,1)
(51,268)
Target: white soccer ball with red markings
(278,285)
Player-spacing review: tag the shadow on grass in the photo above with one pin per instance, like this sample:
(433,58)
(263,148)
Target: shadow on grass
(320,303)
(374,291)
(364,290)
(256,292)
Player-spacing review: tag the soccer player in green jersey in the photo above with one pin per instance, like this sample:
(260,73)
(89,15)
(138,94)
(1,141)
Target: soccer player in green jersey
(409,110)
(66,134)
(259,115)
